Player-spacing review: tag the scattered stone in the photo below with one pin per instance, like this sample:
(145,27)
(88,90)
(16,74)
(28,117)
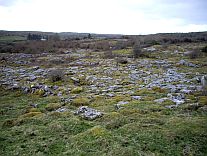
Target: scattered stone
(62,109)
(32,78)
(136,97)
(35,68)
(34,105)
(110,94)
(75,80)
(188,64)
(182,62)
(26,90)
(39,71)
(171,106)
(55,87)
(151,49)
(67,100)
(120,104)
(15,86)
(178,98)
(161,100)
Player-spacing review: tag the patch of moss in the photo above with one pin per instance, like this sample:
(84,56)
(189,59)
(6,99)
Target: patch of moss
(144,92)
(80,101)
(96,131)
(77,90)
(30,114)
(123,51)
(203,100)
(52,106)
(121,98)
(148,98)
(39,92)
(129,111)
(159,90)
(33,110)
(156,108)
(110,116)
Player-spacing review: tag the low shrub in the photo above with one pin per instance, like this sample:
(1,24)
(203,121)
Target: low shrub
(56,75)
(195,54)
(204,49)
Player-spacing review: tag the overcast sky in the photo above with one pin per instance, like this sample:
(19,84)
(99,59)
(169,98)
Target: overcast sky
(104,16)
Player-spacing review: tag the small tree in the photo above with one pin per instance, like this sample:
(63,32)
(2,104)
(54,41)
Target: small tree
(137,52)
(54,37)
(89,36)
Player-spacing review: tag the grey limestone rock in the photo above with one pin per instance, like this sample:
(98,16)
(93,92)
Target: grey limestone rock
(88,113)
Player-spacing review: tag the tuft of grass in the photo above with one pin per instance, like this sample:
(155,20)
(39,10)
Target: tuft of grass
(159,90)
(123,52)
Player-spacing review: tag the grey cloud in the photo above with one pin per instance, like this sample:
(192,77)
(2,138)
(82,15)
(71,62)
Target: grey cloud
(190,11)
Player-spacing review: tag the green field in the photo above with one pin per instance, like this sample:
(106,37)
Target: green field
(11,38)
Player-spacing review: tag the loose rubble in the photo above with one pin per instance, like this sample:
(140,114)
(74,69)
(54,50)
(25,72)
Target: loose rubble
(105,78)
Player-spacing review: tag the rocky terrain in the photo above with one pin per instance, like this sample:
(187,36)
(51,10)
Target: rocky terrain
(80,103)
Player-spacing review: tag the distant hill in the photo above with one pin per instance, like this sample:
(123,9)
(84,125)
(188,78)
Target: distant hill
(63,35)
(165,37)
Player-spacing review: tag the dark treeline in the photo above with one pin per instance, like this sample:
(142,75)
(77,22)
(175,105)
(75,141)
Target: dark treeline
(36,37)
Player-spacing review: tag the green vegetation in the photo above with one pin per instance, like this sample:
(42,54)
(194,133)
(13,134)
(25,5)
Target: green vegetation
(11,38)
(137,129)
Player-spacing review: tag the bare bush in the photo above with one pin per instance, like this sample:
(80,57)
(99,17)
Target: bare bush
(56,61)
(121,61)
(108,55)
(102,45)
(121,45)
(195,54)
(204,49)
